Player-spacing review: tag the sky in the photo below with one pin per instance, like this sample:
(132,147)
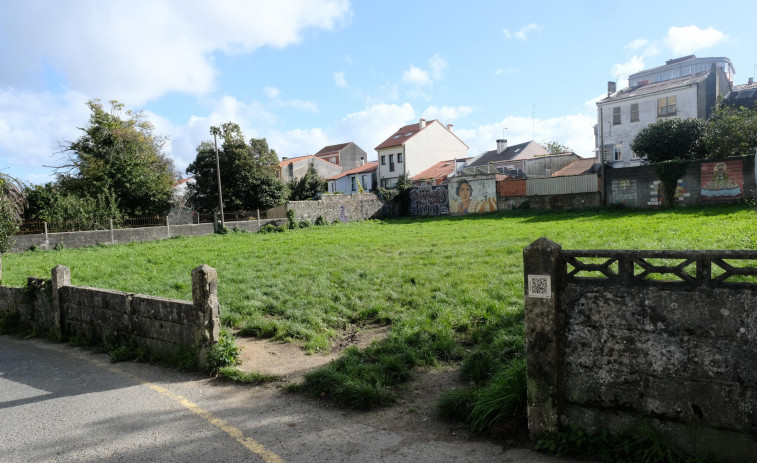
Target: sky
(309,73)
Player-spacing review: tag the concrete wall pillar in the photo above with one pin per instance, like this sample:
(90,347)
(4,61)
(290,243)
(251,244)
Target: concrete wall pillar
(60,277)
(206,310)
(544,328)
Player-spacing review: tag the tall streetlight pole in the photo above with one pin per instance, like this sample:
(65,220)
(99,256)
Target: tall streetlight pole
(215,131)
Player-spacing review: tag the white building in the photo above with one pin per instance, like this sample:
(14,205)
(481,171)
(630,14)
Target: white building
(623,114)
(351,181)
(414,148)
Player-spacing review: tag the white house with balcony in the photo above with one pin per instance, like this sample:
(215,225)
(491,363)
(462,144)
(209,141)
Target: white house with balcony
(623,114)
(416,147)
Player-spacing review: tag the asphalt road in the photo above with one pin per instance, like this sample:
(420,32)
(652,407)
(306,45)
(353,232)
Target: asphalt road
(61,404)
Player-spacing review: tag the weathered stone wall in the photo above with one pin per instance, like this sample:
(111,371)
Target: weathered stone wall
(343,208)
(566,201)
(605,351)
(640,186)
(127,235)
(114,317)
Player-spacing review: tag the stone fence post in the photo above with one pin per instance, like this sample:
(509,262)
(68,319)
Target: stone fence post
(544,331)
(60,277)
(206,310)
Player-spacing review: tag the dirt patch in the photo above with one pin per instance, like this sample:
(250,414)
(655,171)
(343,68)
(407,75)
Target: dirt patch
(290,362)
(414,413)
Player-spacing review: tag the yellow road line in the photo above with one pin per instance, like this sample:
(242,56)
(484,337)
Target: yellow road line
(233,432)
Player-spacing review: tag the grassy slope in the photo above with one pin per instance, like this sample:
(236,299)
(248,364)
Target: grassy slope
(453,273)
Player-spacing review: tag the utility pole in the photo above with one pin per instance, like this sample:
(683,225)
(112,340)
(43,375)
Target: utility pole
(215,131)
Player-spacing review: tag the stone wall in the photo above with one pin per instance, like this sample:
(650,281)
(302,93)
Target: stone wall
(607,345)
(114,317)
(343,208)
(565,201)
(80,239)
(640,186)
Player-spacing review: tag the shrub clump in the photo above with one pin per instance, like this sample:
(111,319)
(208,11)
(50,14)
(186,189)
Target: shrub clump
(223,354)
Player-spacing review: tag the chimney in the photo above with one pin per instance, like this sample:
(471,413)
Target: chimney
(501,145)
(451,127)
(611,87)
(284,158)
(422,124)
(751,81)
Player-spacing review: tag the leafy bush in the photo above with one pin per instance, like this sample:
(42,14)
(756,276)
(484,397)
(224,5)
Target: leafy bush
(320,221)
(224,353)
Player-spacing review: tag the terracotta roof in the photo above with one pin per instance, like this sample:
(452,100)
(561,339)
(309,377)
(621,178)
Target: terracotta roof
(286,162)
(577,167)
(182,181)
(439,170)
(332,149)
(368,167)
(402,135)
(654,87)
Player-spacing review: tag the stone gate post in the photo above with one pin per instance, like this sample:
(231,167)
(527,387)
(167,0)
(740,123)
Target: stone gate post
(206,310)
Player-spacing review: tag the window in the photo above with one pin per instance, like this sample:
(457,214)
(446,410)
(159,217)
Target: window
(362,182)
(666,106)
(634,155)
(399,158)
(391,163)
(617,154)
(383,160)
(354,183)
(634,112)
(616,115)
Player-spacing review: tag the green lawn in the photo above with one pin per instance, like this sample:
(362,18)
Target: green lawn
(446,285)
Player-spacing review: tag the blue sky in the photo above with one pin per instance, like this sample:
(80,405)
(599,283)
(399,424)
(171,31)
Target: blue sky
(309,73)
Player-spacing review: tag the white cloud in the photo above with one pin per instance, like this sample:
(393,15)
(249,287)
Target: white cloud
(300,105)
(271,92)
(438,66)
(339,80)
(684,40)
(621,71)
(636,44)
(373,125)
(416,76)
(574,131)
(521,34)
(297,142)
(138,51)
(447,113)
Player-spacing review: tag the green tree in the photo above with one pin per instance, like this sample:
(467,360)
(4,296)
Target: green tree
(248,173)
(554,147)
(308,186)
(671,138)
(119,155)
(11,209)
(731,132)
(669,143)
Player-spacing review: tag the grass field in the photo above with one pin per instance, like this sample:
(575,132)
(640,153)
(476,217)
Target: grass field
(448,286)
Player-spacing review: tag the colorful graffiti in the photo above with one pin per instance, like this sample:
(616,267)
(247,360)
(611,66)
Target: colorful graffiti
(429,200)
(469,196)
(722,180)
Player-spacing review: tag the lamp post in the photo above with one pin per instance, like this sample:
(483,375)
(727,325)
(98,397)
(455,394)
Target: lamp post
(215,131)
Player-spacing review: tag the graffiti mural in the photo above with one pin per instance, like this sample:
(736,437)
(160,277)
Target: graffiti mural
(469,196)
(429,200)
(722,180)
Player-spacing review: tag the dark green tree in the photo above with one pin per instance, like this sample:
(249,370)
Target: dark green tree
(248,173)
(668,144)
(308,186)
(731,132)
(119,155)
(671,138)
(11,209)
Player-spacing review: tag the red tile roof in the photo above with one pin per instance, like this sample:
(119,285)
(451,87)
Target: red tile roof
(577,167)
(439,170)
(407,132)
(368,167)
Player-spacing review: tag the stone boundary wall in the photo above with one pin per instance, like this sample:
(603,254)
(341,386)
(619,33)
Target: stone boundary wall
(343,208)
(640,186)
(564,201)
(607,347)
(80,239)
(115,317)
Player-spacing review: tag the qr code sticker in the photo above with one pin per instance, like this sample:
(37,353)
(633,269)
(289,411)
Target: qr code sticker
(539,286)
